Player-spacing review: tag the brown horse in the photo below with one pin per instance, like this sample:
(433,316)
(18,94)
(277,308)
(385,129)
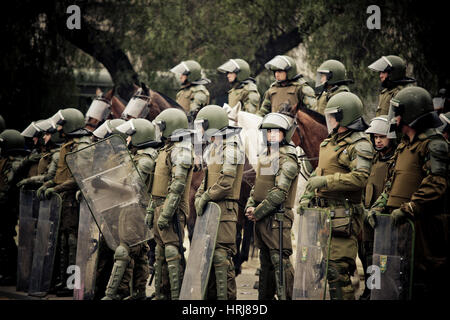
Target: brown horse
(311,130)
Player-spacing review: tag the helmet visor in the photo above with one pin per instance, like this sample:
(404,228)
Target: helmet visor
(229,66)
(160,126)
(99,109)
(278,63)
(136,108)
(331,116)
(31,131)
(127,128)
(322,77)
(379,126)
(57,119)
(381,65)
(103,131)
(181,68)
(276,121)
(46,126)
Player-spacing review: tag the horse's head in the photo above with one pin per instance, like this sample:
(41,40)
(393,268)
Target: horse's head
(310,132)
(232,113)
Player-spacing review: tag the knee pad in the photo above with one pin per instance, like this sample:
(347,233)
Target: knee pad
(122,253)
(171,253)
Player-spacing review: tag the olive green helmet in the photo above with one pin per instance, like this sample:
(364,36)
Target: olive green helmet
(11,140)
(109,127)
(238,66)
(212,119)
(394,65)
(415,106)
(191,68)
(71,120)
(141,131)
(347,110)
(279,121)
(335,73)
(169,122)
(380,125)
(2,124)
(283,63)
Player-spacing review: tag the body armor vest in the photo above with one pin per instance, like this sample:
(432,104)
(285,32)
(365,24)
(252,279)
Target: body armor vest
(329,165)
(184,99)
(408,175)
(213,174)
(375,182)
(279,95)
(163,176)
(44,163)
(264,182)
(62,171)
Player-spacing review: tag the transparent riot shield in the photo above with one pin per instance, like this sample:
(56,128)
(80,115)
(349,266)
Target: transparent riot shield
(28,216)
(45,246)
(87,254)
(113,189)
(313,247)
(201,252)
(393,255)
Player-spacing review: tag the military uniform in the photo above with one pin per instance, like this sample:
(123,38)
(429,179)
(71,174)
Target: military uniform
(394,82)
(46,168)
(331,80)
(418,184)
(296,93)
(222,183)
(384,99)
(170,199)
(247,94)
(269,192)
(326,95)
(137,270)
(67,187)
(10,173)
(294,90)
(345,160)
(192,97)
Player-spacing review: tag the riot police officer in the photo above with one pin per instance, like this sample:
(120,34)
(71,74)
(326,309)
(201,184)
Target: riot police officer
(244,89)
(225,158)
(170,191)
(337,184)
(70,124)
(289,87)
(270,206)
(393,78)
(47,165)
(131,263)
(384,142)
(192,95)
(331,79)
(12,146)
(417,188)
